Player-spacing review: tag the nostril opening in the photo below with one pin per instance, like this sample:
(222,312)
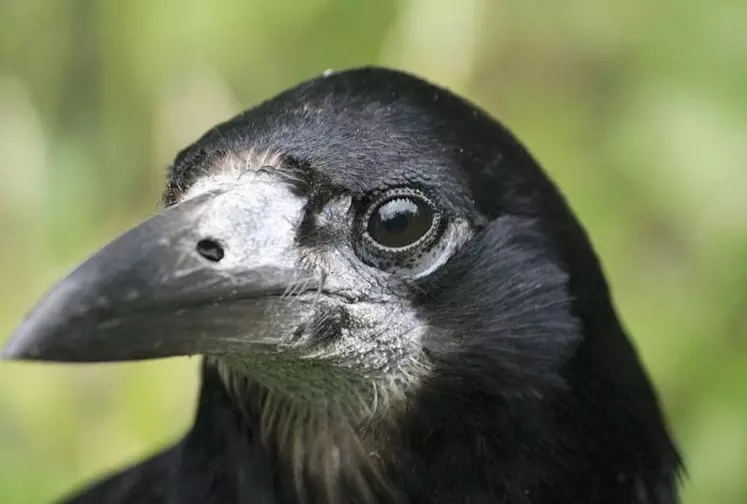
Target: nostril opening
(210,250)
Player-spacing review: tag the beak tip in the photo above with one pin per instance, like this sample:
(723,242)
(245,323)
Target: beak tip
(26,342)
(12,351)
(16,347)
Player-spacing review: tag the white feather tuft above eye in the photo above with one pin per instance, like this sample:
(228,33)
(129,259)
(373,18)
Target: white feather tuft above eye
(235,168)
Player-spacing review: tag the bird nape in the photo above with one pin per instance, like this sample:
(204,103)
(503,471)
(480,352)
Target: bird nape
(393,302)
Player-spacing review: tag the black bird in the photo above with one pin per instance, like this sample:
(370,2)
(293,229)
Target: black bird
(394,303)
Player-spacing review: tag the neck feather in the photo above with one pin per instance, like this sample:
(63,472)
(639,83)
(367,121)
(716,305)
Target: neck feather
(325,426)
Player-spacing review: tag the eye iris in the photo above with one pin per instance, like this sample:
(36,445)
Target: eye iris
(400,222)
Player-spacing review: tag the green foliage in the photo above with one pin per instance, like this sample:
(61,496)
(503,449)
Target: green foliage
(638,110)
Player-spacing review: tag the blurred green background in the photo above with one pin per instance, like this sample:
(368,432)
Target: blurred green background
(638,109)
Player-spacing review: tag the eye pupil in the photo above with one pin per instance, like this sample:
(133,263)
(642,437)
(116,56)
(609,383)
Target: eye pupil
(397,224)
(400,222)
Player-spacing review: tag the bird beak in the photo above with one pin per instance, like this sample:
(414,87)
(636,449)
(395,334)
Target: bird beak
(206,276)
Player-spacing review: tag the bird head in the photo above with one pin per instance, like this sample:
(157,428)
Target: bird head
(368,250)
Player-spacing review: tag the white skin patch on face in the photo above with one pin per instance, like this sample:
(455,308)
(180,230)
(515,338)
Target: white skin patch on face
(257,213)
(254,211)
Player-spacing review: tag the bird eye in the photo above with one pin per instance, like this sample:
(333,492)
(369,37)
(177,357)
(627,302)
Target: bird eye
(398,231)
(400,222)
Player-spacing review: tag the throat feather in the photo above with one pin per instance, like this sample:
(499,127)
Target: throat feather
(328,428)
